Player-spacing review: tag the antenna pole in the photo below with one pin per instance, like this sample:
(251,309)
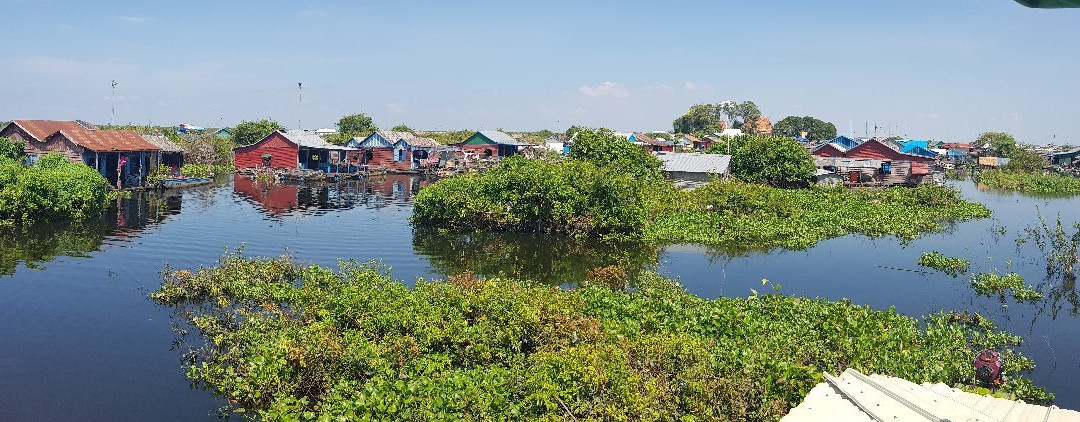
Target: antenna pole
(112,118)
(300,86)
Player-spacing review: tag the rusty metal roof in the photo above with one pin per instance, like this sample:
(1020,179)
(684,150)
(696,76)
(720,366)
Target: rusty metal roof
(108,140)
(41,129)
(163,143)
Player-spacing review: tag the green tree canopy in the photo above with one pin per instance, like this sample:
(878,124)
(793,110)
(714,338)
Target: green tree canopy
(773,160)
(603,148)
(817,130)
(350,126)
(250,132)
(11,149)
(399,128)
(741,115)
(700,119)
(1001,144)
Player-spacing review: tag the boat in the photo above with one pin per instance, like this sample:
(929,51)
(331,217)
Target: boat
(184,182)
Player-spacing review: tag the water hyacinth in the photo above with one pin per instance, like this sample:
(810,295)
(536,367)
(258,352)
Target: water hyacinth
(50,190)
(283,341)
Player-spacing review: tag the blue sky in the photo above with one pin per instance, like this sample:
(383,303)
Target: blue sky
(929,68)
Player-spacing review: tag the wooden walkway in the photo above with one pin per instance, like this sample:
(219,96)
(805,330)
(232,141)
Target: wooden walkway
(856,397)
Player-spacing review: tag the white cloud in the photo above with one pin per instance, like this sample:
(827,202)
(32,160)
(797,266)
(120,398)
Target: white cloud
(607,89)
(134,19)
(690,86)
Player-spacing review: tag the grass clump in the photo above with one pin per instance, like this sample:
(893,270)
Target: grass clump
(285,341)
(946,264)
(1030,182)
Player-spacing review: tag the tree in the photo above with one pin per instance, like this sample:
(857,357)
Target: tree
(401,128)
(11,149)
(350,126)
(1000,144)
(816,130)
(604,148)
(700,119)
(774,160)
(247,132)
(1023,159)
(741,115)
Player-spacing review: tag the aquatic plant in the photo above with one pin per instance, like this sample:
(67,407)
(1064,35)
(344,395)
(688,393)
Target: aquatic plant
(773,160)
(50,190)
(990,284)
(281,341)
(946,264)
(1030,182)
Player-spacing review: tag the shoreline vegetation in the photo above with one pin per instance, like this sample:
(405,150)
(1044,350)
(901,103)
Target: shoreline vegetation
(51,189)
(611,188)
(282,341)
(1030,182)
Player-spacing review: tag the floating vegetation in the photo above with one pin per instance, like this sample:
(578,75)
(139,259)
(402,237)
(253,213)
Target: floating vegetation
(281,341)
(990,284)
(1029,182)
(948,265)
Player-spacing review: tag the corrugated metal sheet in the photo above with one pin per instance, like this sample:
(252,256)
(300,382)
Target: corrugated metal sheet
(854,396)
(41,129)
(310,139)
(695,163)
(500,138)
(162,143)
(283,153)
(108,140)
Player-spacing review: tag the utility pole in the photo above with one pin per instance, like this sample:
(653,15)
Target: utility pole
(300,86)
(112,118)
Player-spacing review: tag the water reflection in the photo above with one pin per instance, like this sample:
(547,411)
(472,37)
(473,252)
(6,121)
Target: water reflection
(123,221)
(283,199)
(547,259)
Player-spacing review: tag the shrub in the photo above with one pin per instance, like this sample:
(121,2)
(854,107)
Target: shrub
(603,148)
(52,189)
(288,342)
(11,149)
(771,160)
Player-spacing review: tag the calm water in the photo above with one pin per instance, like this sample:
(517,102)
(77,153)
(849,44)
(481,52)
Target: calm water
(79,339)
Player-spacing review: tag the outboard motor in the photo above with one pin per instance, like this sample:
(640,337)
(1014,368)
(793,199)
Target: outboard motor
(989,368)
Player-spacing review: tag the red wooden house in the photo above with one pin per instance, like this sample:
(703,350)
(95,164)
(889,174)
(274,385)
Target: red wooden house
(293,149)
(884,149)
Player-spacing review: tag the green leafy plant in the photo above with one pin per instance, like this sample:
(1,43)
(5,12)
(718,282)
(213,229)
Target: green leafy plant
(990,284)
(50,190)
(284,341)
(772,160)
(1028,182)
(949,265)
(11,150)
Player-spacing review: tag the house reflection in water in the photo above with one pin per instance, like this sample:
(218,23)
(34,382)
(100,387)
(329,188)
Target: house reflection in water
(278,199)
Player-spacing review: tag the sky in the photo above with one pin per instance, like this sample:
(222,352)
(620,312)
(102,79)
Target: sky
(941,69)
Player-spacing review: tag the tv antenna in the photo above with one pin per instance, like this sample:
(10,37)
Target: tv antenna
(300,87)
(112,118)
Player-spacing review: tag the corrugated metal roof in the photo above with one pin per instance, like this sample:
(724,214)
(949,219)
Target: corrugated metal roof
(108,140)
(500,137)
(695,163)
(310,139)
(41,129)
(163,143)
(854,396)
(420,142)
(847,162)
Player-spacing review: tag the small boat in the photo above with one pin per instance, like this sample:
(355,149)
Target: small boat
(184,182)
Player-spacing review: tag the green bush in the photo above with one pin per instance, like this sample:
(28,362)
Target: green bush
(605,149)
(52,189)
(11,149)
(196,170)
(1028,182)
(288,342)
(518,194)
(772,160)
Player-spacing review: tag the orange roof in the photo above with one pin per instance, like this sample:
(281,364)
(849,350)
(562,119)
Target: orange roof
(41,129)
(109,140)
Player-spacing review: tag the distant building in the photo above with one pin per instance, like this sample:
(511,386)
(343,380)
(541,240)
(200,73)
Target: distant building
(223,133)
(651,144)
(107,151)
(492,143)
(293,149)
(693,167)
(1064,158)
(326,131)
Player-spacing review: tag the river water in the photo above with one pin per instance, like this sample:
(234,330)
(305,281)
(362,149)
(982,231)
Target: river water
(80,340)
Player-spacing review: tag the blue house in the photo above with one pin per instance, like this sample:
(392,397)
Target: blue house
(845,142)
